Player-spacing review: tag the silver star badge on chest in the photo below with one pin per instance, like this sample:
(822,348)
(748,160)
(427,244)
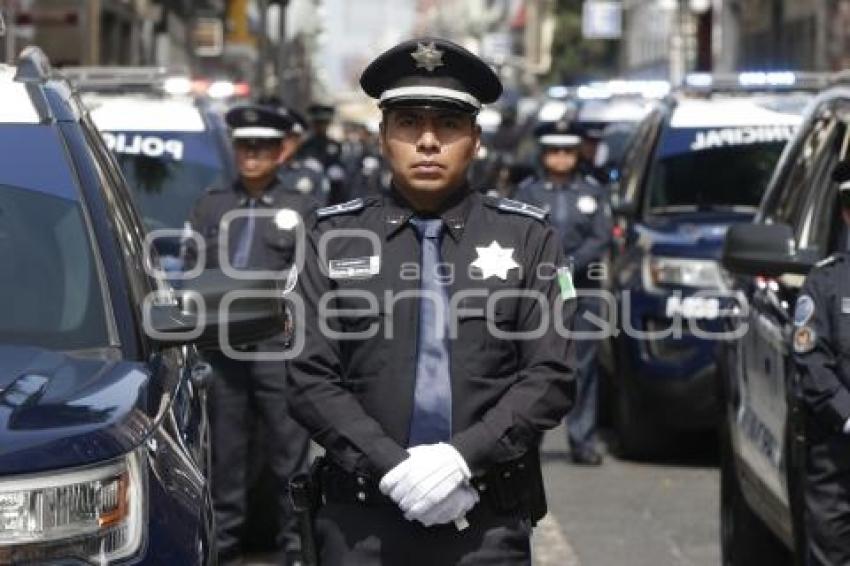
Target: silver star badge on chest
(495,261)
(427,56)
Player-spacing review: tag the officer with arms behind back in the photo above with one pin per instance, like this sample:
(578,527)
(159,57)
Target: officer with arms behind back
(431,416)
(244,390)
(821,345)
(579,211)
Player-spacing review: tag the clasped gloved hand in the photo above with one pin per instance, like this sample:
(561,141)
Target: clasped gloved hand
(431,476)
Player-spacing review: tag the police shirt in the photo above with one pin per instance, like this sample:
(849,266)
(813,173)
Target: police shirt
(581,214)
(294,176)
(821,342)
(352,386)
(279,213)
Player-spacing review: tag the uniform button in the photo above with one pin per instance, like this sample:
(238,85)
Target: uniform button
(482,487)
(506,475)
(521,466)
(361,480)
(361,495)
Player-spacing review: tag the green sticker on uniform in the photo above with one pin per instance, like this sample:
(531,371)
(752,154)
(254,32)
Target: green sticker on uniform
(565,280)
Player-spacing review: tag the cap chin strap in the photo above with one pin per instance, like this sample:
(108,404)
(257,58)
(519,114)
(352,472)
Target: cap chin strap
(429,92)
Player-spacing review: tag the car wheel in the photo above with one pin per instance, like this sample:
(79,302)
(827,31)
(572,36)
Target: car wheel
(638,435)
(744,538)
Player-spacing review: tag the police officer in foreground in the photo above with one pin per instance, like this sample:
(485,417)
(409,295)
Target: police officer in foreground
(579,211)
(263,239)
(323,153)
(821,341)
(414,377)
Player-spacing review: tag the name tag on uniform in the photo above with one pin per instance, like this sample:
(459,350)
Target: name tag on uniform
(845,305)
(354,267)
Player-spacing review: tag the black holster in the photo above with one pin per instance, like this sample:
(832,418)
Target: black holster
(515,487)
(306,499)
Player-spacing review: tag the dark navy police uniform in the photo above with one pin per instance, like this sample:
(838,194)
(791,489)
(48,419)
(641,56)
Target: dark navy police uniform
(821,345)
(377,384)
(580,212)
(245,392)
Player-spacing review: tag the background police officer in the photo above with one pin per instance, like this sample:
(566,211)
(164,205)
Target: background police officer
(248,390)
(322,153)
(579,210)
(821,343)
(423,428)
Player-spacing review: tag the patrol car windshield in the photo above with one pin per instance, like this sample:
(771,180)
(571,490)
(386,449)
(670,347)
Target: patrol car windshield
(50,295)
(701,170)
(167,172)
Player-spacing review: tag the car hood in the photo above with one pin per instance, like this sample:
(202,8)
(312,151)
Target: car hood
(696,235)
(60,411)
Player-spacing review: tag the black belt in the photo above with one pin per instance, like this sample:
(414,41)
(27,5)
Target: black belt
(512,488)
(340,486)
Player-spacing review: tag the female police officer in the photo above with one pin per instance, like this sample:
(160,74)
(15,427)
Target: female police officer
(433,361)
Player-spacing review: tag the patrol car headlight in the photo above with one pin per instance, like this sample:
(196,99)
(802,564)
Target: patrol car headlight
(94,515)
(681,272)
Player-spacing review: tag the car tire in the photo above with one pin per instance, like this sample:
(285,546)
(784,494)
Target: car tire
(744,538)
(638,435)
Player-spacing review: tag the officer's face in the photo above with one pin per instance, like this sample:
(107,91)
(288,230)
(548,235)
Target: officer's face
(560,160)
(429,150)
(257,158)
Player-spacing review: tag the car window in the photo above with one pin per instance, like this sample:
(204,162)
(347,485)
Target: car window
(634,162)
(789,204)
(166,171)
(690,172)
(50,295)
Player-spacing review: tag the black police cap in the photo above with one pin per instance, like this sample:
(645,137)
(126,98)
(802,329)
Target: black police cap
(322,112)
(431,72)
(557,134)
(254,121)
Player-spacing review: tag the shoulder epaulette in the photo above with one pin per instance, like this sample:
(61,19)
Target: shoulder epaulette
(829,260)
(342,208)
(515,206)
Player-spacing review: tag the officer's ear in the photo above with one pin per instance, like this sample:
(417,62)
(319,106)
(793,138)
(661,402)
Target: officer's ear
(382,134)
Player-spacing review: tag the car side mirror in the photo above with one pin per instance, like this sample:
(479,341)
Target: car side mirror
(213,307)
(764,249)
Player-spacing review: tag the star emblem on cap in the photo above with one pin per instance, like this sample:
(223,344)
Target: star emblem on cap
(250,115)
(427,56)
(495,261)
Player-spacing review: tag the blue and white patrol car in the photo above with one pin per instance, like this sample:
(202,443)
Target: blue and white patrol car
(171,145)
(103,431)
(700,162)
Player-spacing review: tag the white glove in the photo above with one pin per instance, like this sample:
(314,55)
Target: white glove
(452,508)
(432,473)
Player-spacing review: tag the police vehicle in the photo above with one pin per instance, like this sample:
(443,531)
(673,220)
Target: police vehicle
(700,162)
(103,442)
(798,224)
(171,144)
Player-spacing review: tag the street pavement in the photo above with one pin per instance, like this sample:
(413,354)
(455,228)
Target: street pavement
(630,513)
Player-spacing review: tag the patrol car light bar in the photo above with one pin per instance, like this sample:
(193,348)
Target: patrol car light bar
(128,78)
(620,87)
(755,80)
